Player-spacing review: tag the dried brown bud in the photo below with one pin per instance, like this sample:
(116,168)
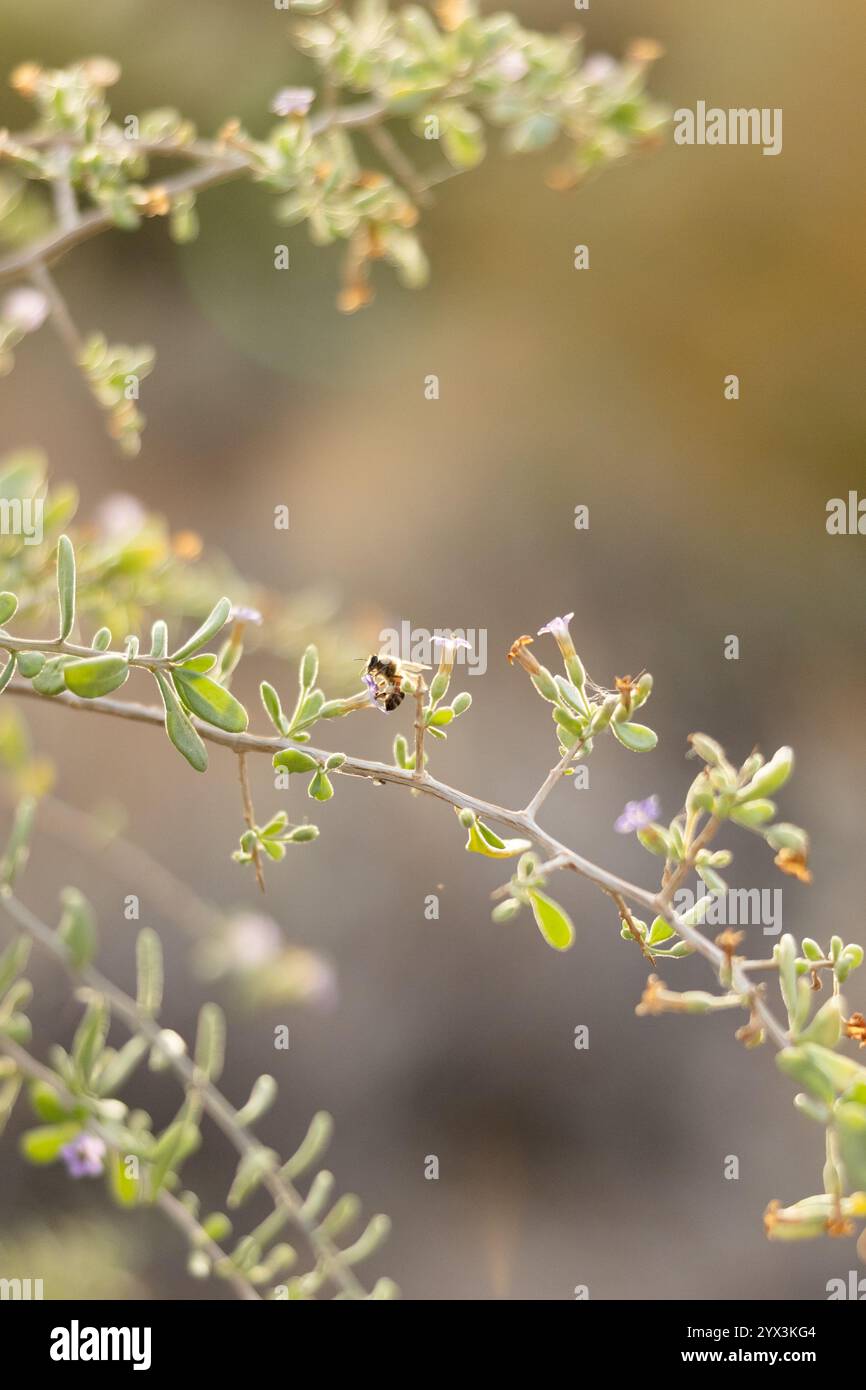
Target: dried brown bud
(25,79)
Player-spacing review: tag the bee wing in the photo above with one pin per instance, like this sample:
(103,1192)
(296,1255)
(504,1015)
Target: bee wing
(413,667)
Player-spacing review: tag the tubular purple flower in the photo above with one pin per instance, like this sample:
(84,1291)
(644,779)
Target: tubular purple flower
(84,1156)
(448,646)
(558,629)
(372,691)
(293,101)
(637,815)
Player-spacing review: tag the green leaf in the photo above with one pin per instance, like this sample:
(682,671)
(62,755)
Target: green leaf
(826,1026)
(251,1171)
(95,676)
(50,679)
(8,607)
(89,1039)
(320,788)
(636,737)
(851,1132)
(17,846)
(179,727)
(102,639)
(200,664)
(216,619)
(12,961)
(159,639)
(116,1068)
(47,1104)
(311,1148)
(553,921)
(210,1041)
(124,1189)
(483,840)
(211,702)
(8,671)
(66,585)
(30,664)
(262,1097)
(77,929)
(148,957)
(175,1143)
(273,708)
(659,931)
(309,668)
(769,778)
(43,1145)
(462,136)
(293,760)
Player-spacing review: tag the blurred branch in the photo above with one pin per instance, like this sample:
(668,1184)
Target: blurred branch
(175,1210)
(218,166)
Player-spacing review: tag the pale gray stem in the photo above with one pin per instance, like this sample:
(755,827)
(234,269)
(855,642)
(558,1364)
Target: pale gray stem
(521,822)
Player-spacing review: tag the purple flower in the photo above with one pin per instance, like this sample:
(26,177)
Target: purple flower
(512,65)
(373,691)
(83,1156)
(293,101)
(242,614)
(600,68)
(121,515)
(556,626)
(253,940)
(25,309)
(637,815)
(558,629)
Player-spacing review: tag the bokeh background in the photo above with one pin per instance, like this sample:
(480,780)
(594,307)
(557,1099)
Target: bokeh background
(455,1037)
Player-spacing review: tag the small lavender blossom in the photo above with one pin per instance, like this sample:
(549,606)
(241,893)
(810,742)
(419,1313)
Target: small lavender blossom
(557,626)
(253,940)
(25,309)
(242,614)
(448,646)
(637,815)
(373,691)
(558,629)
(599,68)
(120,515)
(83,1156)
(293,101)
(512,65)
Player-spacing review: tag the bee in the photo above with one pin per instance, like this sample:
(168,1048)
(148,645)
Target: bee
(384,675)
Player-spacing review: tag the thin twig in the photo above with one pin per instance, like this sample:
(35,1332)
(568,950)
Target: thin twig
(420,691)
(627,919)
(399,164)
(250,816)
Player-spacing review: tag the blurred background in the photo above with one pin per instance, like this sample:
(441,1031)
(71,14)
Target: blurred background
(454,1037)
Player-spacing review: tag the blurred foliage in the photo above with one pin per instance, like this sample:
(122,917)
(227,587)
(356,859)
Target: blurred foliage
(76,1258)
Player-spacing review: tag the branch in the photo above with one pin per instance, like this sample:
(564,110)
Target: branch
(221,1111)
(175,1210)
(219,167)
(521,822)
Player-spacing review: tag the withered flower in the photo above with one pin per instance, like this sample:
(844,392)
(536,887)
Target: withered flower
(793,862)
(517,652)
(855,1027)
